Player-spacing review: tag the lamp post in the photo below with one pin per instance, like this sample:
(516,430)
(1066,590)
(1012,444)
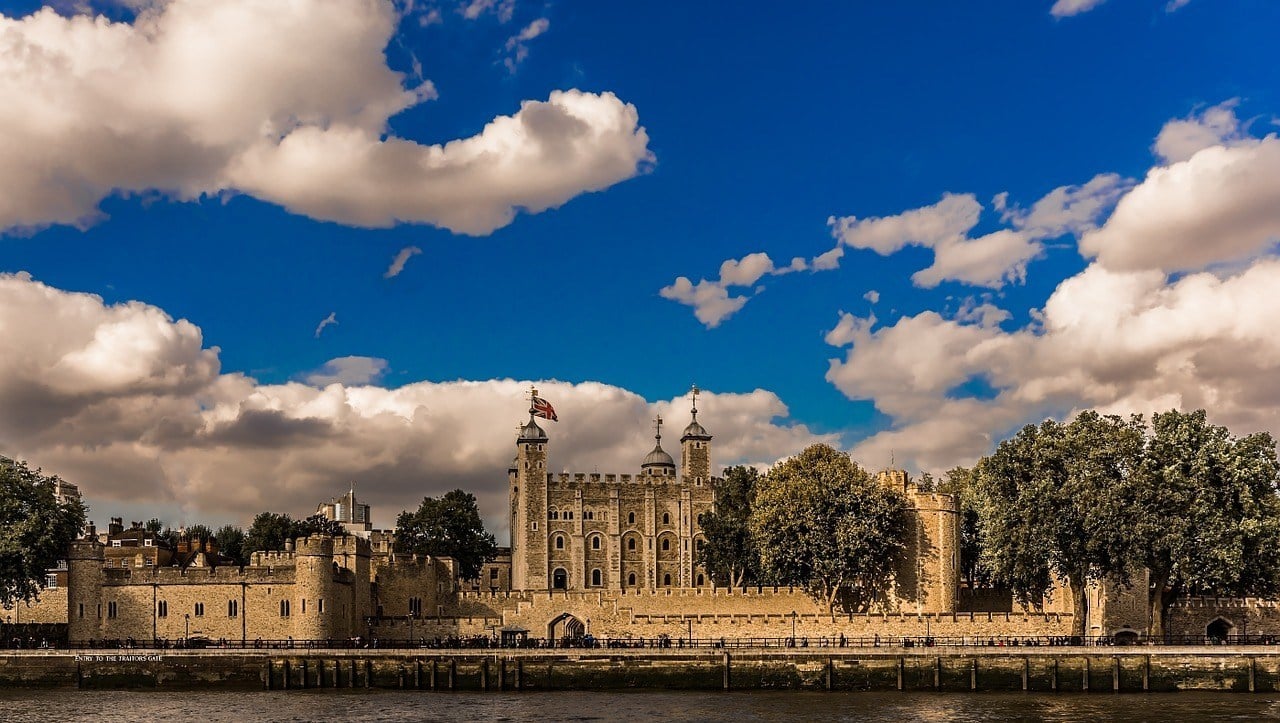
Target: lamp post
(186,619)
(411,628)
(689,622)
(793,628)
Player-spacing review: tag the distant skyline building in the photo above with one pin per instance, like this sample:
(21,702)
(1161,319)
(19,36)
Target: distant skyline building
(354,516)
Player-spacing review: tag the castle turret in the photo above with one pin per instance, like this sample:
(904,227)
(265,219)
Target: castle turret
(315,590)
(84,590)
(529,509)
(658,462)
(695,449)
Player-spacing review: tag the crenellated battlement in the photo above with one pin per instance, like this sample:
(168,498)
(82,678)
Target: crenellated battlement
(199,575)
(273,558)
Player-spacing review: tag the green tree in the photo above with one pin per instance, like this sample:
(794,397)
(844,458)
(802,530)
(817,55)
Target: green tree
(448,526)
(154,526)
(231,543)
(35,529)
(1209,517)
(318,524)
(961,482)
(729,554)
(198,532)
(1054,498)
(268,532)
(821,522)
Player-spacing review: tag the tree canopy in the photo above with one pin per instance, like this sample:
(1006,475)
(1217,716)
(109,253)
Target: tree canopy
(1208,518)
(35,529)
(1053,499)
(231,543)
(821,522)
(447,526)
(729,554)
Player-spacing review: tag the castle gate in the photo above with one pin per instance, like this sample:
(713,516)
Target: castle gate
(565,626)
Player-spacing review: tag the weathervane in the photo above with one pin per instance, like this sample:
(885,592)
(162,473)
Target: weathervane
(694,393)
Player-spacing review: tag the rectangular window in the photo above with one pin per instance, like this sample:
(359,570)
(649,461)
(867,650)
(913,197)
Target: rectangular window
(320,602)
(148,543)
(115,543)
(111,609)
(82,610)
(535,527)
(233,608)
(162,609)
(304,605)
(493,573)
(284,608)
(51,582)
(199,609)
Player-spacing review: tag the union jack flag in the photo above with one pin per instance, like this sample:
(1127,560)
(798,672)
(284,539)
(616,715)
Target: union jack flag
(542,408)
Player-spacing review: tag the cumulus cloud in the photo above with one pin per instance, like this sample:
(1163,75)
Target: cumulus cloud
(128,403)
(872,296)
(518,44)
(397,264)
(329,320)
(1182,138)
(348,370)
(1067,8)
(287,102)
(992,259)
(1118,341)
(1219,205)
(711,301)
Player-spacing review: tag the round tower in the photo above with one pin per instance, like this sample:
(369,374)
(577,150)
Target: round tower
(695,449)
(658,462)
(84,590)
(529,509)
(315,590)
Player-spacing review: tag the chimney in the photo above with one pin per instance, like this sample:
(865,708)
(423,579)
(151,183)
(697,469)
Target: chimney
(184,545)
(211,546)
(116,526)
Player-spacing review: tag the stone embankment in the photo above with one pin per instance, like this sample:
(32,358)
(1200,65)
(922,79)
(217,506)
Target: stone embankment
(1061,669)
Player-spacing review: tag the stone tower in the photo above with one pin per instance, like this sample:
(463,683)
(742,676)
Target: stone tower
(695,450)
(529,510)
(84,590)
(315,590)
(928,577)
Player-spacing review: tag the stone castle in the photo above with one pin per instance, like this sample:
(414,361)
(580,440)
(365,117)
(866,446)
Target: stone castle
(613,555)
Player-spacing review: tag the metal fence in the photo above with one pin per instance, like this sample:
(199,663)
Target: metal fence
(664,642)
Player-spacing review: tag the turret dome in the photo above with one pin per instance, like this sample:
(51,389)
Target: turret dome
(531,432)
(658,458)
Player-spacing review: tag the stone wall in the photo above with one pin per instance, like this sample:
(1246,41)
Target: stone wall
(49,607)
(1244,616)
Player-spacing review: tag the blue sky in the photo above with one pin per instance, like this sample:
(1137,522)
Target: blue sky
(762,122)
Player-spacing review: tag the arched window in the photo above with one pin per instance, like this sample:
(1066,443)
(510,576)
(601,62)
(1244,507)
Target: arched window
(559,542)
(699,543)
(666,580)
(666,544)
(595,542)
(553,514)
(588,515)
(631,518)
(666,518)
(700,580)
(597,578)
(631,543)
(559,579)
(631,580)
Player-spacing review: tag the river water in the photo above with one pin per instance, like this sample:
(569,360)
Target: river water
(48,706)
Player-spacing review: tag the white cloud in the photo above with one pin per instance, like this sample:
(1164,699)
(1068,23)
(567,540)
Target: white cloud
(1174,5)
(129,404)
(990,260)
(1066,8)
(1220,205)
(518,44)
(711,301)
(348,370)
(329,320)
(873,296)
(285,101)
(397,264)
(1182,138)
(1118,341)
(503,9)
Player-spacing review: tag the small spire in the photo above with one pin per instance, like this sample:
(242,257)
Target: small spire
(694,393)
(657,429)
(533,394)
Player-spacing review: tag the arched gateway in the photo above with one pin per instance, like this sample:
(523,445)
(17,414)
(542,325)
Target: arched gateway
(565,626)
